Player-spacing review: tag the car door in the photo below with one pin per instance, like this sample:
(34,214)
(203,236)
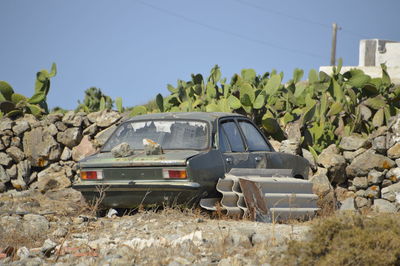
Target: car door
(264,156)
(232,146)
(257,146)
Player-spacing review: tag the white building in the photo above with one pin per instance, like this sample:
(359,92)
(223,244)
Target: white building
(371,55)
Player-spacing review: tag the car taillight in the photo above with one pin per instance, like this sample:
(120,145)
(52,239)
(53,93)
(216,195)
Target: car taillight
(174,174)
(92,175)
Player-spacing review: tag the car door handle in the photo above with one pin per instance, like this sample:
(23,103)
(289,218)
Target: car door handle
(258,159)
(228,160)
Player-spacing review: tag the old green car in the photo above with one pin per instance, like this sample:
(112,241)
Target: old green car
(194,151)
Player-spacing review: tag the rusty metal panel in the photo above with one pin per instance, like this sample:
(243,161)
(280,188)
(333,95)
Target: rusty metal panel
(254,198)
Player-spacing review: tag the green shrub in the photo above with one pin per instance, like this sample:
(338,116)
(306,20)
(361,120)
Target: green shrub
(13,104)
(326,107)
(95,101)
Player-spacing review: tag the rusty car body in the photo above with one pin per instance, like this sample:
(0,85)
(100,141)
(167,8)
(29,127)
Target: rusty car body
(197,149)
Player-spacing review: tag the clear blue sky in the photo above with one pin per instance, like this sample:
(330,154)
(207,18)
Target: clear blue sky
(134,48)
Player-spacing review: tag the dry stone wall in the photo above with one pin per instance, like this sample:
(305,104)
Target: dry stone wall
(360,173)
(43,154)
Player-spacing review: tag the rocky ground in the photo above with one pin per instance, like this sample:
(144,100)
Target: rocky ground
(60,228)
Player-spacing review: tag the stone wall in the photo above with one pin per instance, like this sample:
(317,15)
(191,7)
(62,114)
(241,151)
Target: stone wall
(43,154)
(360,173)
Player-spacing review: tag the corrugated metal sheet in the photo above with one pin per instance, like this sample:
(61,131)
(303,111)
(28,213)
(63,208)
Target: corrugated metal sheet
(282,196)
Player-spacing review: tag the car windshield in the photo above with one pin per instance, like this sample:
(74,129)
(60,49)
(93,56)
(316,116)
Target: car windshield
(178,134)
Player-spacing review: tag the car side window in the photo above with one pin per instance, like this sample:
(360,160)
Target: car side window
(223,142)
(254,139)
(233,135)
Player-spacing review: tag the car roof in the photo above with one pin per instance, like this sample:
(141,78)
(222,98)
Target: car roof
(210,117)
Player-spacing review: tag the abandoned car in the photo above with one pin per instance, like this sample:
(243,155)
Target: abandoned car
(177,158)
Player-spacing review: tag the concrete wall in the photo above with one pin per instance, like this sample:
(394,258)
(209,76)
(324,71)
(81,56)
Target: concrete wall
(375,52)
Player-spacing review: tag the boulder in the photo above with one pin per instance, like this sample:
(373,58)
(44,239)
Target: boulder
(367,161)
(31,119)
(360,193)
(348,205)
(393,174)
(48,247)
(350,155)
(4,177)
(395,128)
(84,149)
(15,142)
(93,116)
(6,124)
(52,130)
(24,171)
(107,118)
(391,193)
(52,178)
(72,119)
(292,131)
(60,126)
(40,147)
(5,159)
(23,253)
(68,194)
(379,144)
(90,130)
(20,127)
(6,141)
(321,184)
(16,154)
(360,182)
(290,146)
(386,183)
(394,151)
(122,150)
(53,118)
(151,147)
(70,137)
(375,177)
(66,154)
(373,192)
(335,163)
(12,171)
(342,193)
(103,135)
(353,143)
(362,202)
(19,183)
(383,206)
(310,158)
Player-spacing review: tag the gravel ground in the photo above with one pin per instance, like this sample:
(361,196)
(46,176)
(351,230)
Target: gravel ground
(58,229)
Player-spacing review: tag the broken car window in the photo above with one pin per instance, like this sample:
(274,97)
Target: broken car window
(179,134)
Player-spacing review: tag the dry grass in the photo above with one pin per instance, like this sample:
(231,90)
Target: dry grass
(18,238)
(347,240)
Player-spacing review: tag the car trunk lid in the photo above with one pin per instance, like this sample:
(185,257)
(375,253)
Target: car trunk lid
(139,159)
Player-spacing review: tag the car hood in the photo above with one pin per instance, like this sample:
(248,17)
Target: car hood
(168,158)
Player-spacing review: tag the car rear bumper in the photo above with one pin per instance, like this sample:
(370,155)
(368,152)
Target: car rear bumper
(133,194)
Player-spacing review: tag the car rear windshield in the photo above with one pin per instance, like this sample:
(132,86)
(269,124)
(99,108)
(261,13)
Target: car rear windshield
(177,134)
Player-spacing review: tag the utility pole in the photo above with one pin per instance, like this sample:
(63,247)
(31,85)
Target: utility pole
(335,28)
